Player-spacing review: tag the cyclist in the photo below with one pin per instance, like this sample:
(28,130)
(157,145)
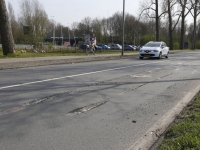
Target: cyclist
(93,41)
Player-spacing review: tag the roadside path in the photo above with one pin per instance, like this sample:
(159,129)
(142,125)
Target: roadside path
(13,63)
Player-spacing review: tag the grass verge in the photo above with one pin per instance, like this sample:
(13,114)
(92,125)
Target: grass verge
(184,134)
(29,53)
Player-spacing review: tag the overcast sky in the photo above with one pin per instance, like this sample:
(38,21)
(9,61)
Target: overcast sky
(68,11)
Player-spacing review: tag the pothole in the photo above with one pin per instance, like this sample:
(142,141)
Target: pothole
(12,110)
(35,102)
(85,108)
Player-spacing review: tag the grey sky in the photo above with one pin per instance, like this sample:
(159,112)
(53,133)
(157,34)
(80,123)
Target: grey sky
(68,11)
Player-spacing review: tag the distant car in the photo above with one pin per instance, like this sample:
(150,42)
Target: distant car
(83,46)
(115,47)
(98,47)
(135,47)
(154,50)
(128,47)
(104,47)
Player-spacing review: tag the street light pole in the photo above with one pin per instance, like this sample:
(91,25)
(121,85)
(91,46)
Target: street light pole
(123,28)
(193,42)
(53,31)
(112,39)
(69,34)
(54,35)
(139,39)
(61,35)
(74,38)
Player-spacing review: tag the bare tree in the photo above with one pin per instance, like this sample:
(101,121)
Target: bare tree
(130,29)
(153,6)
(116,26)
(13,22)
(105,29)
(195,11)
(169,6)
(87,21)
(110,28)
(97,29)
(184,13)
(35,19)
(5,29)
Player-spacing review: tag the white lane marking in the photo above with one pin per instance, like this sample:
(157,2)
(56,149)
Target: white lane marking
(71,76)
(140,76)
(177,69)
(193,72)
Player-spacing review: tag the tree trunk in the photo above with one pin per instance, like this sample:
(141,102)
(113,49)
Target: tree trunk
(171,44)
(182,28)
(170,27)
(194,31)
(182,34)
(157,22)
(5,29)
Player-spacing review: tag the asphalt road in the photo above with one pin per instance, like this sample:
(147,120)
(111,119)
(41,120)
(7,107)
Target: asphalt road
(104,105)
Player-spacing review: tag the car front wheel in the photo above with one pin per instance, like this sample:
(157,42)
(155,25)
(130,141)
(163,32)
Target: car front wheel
(166,55)
(160,56)
(141,57)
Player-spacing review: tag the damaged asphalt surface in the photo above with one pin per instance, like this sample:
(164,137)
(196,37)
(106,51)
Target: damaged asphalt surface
(111,104)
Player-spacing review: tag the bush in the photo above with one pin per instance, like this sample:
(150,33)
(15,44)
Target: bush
(50,46)
(147,38)
(176,45)
(198,44)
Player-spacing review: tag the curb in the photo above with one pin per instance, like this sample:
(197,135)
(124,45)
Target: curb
(34,63)
(153,136)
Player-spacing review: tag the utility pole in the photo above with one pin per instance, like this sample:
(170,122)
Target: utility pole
(69,35)
(74,38)
(53,31)
(123,28)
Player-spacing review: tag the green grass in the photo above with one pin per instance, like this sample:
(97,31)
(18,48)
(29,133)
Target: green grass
(63,52)
(184,134)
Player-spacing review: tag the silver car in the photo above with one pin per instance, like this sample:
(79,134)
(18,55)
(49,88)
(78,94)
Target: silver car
(115,46)
(154,50)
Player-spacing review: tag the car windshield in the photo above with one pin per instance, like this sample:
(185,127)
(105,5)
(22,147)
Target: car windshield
(153,44)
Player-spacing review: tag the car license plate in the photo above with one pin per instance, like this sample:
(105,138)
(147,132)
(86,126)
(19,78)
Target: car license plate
(146,55)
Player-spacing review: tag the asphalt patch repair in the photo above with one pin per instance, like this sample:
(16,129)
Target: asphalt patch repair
(85,108)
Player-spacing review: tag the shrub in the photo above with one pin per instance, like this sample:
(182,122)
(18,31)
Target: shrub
(198,44)
(176,45)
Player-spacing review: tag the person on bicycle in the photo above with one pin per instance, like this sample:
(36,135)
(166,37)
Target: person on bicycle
(93,41)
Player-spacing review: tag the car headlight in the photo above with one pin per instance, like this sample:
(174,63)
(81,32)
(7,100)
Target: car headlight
(141,50)
(155,51)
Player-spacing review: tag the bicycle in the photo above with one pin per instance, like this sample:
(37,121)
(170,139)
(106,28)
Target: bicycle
(90,49)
